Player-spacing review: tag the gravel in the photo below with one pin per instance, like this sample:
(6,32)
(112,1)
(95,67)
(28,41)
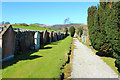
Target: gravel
(85,64)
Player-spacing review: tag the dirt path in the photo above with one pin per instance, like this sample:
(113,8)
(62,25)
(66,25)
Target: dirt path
(86,64)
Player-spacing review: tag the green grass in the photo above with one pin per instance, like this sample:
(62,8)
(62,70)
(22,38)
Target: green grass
(35,27)
(111,62)
(44,63)
(82,42)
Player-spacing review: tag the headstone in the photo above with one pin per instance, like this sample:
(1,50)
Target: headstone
(41,37)
(58,35)
(84,38)
(45,35)
(51,36)
(0,48)
(37,40)
(8,42)
(54,36)
(48,37)
(62,35)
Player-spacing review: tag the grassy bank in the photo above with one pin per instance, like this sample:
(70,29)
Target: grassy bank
(35,27)
(44,63)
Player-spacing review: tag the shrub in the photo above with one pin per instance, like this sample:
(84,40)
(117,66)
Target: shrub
(72,31)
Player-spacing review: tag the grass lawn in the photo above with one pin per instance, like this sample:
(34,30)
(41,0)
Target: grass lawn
(44,63)
(35,27)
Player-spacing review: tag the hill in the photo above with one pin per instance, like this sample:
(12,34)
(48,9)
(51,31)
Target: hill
(62,27)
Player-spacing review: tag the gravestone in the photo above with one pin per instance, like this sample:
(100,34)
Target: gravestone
(54,36)
(41,37)
(62,35)
(58,35)
(45,35)
(84,38)
(37,40)
(7,46)
(50,36)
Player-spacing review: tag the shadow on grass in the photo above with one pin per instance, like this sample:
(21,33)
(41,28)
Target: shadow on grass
(46,48)
(24,56)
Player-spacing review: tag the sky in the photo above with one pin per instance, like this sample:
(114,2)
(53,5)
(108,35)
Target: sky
(48,13)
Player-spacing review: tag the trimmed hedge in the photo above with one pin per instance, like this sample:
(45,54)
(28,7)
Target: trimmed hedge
(104,28)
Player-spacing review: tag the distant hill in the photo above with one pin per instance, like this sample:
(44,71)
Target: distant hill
(43,25)
(39,24)
(62,27)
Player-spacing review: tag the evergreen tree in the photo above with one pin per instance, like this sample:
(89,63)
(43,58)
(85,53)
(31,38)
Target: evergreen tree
(72,31)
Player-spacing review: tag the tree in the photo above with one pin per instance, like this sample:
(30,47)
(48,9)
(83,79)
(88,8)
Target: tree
(72,31)
(66,31)
(104,29)
(7,22)
(80,31)
(2,22)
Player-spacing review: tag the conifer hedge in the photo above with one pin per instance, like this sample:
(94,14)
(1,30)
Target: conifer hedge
(104,29)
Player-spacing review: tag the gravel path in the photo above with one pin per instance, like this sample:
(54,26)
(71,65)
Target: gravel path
(86,64)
